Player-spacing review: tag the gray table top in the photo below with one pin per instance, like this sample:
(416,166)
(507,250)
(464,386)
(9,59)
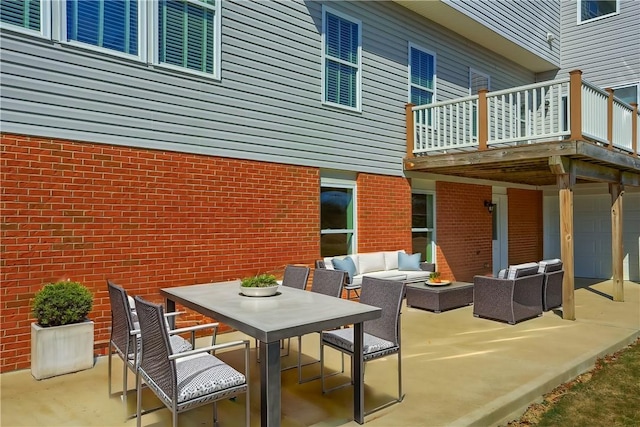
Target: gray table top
(291,312)
(442,288)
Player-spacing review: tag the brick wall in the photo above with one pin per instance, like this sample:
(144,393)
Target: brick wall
(145,219)
(464,231)
(384,213)
(525,225)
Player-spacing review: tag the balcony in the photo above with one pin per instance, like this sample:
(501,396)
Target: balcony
(528,135)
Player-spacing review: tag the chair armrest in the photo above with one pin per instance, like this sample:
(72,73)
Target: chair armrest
(209,349)
(427,266)
(320,264)
(173,314)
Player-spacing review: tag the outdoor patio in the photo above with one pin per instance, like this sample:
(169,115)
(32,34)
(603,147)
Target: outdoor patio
(458,371)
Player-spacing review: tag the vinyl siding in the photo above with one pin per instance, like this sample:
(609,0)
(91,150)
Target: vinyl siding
(267,104)
(606,50)
(524,22)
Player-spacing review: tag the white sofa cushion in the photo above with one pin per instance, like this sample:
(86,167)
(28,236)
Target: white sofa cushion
(391,260)
(328,261)
(371,261)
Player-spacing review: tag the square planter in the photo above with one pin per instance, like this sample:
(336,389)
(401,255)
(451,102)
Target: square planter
(58,350)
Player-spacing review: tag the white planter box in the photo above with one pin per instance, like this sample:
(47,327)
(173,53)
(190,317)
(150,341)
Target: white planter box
(60,350)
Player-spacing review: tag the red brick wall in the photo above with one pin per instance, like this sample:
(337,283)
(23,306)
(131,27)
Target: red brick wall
(146,219)
(525,225)
(384,213)
(464,231)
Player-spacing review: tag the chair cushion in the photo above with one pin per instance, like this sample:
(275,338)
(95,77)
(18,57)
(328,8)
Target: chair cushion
(343,338)
(550,265)
(408,262)
(345,264)
(502,274)
(179,344)
(521,270)
(371,261)
(391,260)
(204,374)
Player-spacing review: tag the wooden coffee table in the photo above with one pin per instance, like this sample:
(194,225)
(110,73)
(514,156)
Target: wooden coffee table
(439,298)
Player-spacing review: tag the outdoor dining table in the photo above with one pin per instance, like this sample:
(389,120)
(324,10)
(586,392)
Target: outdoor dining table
(289,313)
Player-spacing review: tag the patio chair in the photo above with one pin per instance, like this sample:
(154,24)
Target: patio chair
(326,282)
(512,299)
(552,285)
(382,336)
(186,380)
(347,285)
(124,339)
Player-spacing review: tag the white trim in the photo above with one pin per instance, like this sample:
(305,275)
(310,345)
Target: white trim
(323,58)
(411,46)
(433,229)
(625,86)
(597,18)
(351,185)
(45,23)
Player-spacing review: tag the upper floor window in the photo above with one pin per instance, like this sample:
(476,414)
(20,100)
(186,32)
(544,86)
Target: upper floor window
(341,59)
(29,16)
(593,9)
(107,24)
(422,76)
(629,93)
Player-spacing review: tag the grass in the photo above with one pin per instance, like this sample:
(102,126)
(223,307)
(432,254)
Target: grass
(607,395)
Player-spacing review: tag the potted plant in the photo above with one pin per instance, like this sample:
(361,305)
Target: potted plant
(435,277)
(259,286)
(62,337)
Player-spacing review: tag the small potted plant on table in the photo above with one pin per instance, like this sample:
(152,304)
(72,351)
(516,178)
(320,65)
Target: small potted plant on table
(262,285)
(435,277)
(62,337)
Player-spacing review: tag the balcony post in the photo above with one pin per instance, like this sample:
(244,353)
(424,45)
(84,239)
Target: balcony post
(411,131)
(575,108)
(634,129)
(610,117)
(483,122)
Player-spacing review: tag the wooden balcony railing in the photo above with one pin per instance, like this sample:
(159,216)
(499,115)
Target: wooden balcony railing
(569,108)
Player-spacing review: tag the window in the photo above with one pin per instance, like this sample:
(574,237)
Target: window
(422,76)
(337,217)
(423,225)
(341,60)
(628,94)
(188,35)
(593,9)
(107,24)
(28,16)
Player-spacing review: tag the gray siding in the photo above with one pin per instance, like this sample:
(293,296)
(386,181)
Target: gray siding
(524,22)
(267,105)
(607,50)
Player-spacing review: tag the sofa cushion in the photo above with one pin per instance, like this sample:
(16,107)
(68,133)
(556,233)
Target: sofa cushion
(345,264)
(408,262)
(502,274)
(371,261)
(521,270)
(391,260)
(550,265)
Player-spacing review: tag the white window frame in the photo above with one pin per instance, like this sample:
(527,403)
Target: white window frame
(60,19)
(351,185)
(579,13)
(410,47)
(324,57)
(45,23)
(154,52)
(624,86)
(426,229)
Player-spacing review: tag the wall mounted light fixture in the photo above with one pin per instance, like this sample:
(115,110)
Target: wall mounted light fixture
(490,206)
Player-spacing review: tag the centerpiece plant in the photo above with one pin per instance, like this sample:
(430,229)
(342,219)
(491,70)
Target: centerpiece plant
(259,281)
(435,277)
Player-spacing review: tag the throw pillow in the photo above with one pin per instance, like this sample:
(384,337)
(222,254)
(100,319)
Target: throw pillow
(408,262)
(345,264)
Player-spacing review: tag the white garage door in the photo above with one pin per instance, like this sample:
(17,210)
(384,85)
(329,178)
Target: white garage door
(592,234)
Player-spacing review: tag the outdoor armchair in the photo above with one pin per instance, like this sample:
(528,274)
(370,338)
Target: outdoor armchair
(382,336)
(186,380)
(552,285)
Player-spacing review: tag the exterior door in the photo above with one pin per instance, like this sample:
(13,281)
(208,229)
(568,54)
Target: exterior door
(500,233)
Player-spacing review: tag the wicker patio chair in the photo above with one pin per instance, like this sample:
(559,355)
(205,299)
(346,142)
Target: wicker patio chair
(186,380)
(552,285)
(125,337)
(382,336)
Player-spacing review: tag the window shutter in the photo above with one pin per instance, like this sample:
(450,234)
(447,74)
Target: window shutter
(25,14)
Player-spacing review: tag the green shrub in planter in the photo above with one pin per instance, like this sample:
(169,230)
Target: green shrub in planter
(62,303)
(261,281)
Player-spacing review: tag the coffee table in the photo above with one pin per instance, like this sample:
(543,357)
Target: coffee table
(439,298)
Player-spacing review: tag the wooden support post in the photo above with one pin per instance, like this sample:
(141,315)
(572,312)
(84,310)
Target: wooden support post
(565,186)
(575,101)
(610,117)
(483,120)
(617,252)
(634,129)
(411,131)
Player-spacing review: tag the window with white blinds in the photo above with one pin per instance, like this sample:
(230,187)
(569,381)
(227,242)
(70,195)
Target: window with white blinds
(422,75)
(341,57)
(29,16)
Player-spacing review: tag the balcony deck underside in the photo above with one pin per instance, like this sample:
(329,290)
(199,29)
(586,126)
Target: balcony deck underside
(535,164)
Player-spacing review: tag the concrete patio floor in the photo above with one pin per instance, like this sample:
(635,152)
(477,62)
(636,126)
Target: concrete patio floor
(458,371)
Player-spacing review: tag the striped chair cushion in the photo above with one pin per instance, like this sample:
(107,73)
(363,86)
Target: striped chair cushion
(204,374)
(343,338)
(550,265)
(521,270)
